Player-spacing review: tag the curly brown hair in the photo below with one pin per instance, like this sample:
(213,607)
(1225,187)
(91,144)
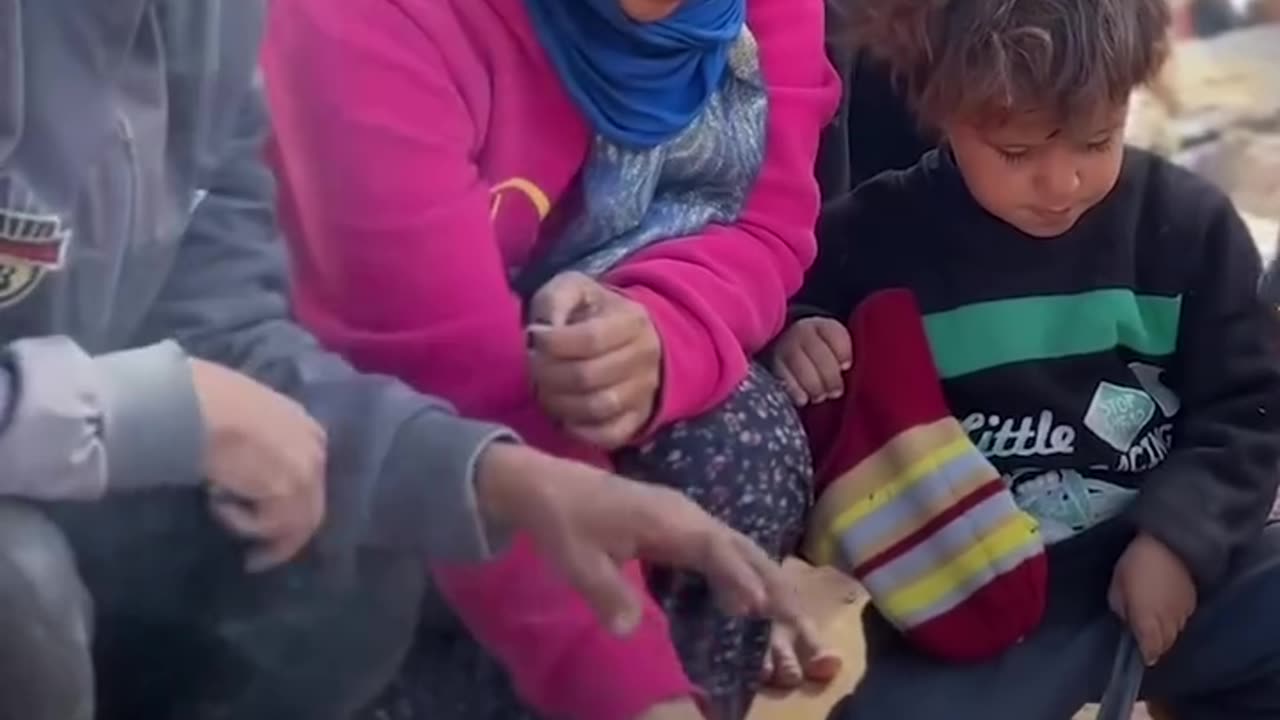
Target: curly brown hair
(1068,57)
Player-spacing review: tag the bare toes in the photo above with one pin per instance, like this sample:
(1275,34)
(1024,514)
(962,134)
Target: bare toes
(823,667)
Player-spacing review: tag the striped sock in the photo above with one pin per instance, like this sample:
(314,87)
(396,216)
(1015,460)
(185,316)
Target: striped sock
(909,506)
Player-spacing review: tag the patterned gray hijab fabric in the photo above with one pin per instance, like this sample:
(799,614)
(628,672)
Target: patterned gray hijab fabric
(633,198)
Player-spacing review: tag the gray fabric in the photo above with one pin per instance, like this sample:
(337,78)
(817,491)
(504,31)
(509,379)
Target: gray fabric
(69,396)
(134,210)
(45,666)
(182,633)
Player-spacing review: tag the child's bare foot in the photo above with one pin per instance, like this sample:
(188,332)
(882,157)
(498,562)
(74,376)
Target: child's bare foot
(797,655)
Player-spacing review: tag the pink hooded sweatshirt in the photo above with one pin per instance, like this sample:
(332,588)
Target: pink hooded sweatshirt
(420,146)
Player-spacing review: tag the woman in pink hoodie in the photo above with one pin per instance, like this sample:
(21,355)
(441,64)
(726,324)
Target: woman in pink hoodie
(581,219)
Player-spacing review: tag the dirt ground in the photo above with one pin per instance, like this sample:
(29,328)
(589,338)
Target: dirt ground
(835,602)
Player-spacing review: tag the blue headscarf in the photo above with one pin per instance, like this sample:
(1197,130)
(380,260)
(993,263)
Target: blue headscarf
(639,84)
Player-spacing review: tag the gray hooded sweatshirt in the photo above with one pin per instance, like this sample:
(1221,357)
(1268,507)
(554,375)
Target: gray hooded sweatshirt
(136,229)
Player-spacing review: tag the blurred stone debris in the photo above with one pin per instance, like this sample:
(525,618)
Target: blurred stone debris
(1216,110)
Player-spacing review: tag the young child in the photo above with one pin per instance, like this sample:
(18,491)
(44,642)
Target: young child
(1092,314)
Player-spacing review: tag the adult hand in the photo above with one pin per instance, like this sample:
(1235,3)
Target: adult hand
(589,522)
(811,358)
(1154,593)
(265,462)
(596,360)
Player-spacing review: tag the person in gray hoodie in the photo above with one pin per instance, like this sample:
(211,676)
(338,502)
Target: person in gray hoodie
(204,514)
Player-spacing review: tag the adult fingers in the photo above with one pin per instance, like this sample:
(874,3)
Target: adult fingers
(270,547)
(567,295)
(553,375)
(279,527)
(673,530)
(734,578)
(253,474)
(304,473)
(236,515)
(300,512)
(836,336)
(610,328)
(612,434)
(780,599)
(597,577)
(601,407)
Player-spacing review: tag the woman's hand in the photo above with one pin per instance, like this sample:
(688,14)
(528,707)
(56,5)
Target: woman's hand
(588,522)
(596,360)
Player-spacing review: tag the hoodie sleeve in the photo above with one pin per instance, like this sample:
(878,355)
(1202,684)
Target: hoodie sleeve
(401,464)
(74,426)
(719,297)
(390,197)
(1213,493)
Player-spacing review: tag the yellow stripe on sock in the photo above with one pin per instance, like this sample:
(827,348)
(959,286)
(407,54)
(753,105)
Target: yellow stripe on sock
(1009,538)
(900,484)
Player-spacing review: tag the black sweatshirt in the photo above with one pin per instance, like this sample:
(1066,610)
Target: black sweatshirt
(1126,366)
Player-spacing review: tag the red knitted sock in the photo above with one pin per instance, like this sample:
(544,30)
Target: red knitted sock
(909,506)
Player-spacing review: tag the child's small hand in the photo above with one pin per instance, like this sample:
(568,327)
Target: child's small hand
(1154,593)
(811,357)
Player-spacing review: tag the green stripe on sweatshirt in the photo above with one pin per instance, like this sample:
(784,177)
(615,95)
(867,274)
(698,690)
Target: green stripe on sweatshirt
(986,335)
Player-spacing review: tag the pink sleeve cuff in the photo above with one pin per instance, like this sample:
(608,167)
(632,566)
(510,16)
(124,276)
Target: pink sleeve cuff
(604,682)
(692,383)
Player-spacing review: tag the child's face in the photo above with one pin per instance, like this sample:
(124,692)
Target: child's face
(1036,175)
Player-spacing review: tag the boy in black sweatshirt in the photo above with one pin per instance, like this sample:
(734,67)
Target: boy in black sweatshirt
(1093,314)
